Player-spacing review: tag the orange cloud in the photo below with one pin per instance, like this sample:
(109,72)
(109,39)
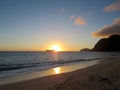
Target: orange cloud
(79,21)
(113,7)
(108,30)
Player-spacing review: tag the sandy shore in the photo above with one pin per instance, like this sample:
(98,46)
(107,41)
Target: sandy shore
(103,76)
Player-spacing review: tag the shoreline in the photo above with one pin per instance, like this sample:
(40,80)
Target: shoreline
(39,74)
(104,76)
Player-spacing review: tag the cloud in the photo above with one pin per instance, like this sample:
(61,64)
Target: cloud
(113,7)
(72,17)
(62,10)
(79,21)
(108,30)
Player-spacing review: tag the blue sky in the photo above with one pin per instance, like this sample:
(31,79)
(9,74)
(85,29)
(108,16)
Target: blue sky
(37,24)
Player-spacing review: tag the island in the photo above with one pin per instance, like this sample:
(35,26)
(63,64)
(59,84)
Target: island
(50,51)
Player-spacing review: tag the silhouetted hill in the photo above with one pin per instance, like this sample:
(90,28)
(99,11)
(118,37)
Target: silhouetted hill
(108,44)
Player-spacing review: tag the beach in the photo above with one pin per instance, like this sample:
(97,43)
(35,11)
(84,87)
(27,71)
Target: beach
(60,45)
(102,76)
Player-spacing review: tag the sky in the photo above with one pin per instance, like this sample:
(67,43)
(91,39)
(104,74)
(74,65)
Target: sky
(36,25)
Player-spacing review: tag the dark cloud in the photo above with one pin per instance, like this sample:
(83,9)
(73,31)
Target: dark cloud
(108,30)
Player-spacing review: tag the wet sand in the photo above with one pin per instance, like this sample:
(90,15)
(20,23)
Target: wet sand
(102,76)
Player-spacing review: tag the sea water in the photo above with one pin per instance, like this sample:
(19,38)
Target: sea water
(19,63)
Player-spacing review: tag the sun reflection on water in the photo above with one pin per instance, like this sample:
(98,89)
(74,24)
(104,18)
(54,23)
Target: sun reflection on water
(56,70)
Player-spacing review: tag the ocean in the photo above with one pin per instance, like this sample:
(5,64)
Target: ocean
(19,63)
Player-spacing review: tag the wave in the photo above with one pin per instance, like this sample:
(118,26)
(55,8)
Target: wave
(7,67)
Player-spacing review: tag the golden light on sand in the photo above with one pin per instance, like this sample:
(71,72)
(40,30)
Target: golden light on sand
(57,70)
(55,48)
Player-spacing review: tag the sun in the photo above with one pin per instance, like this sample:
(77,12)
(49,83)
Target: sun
(56,48)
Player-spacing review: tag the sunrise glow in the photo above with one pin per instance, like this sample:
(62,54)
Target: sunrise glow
(55,48)
(57,25)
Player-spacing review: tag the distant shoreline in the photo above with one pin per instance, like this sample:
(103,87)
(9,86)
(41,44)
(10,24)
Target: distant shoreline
(63,51)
